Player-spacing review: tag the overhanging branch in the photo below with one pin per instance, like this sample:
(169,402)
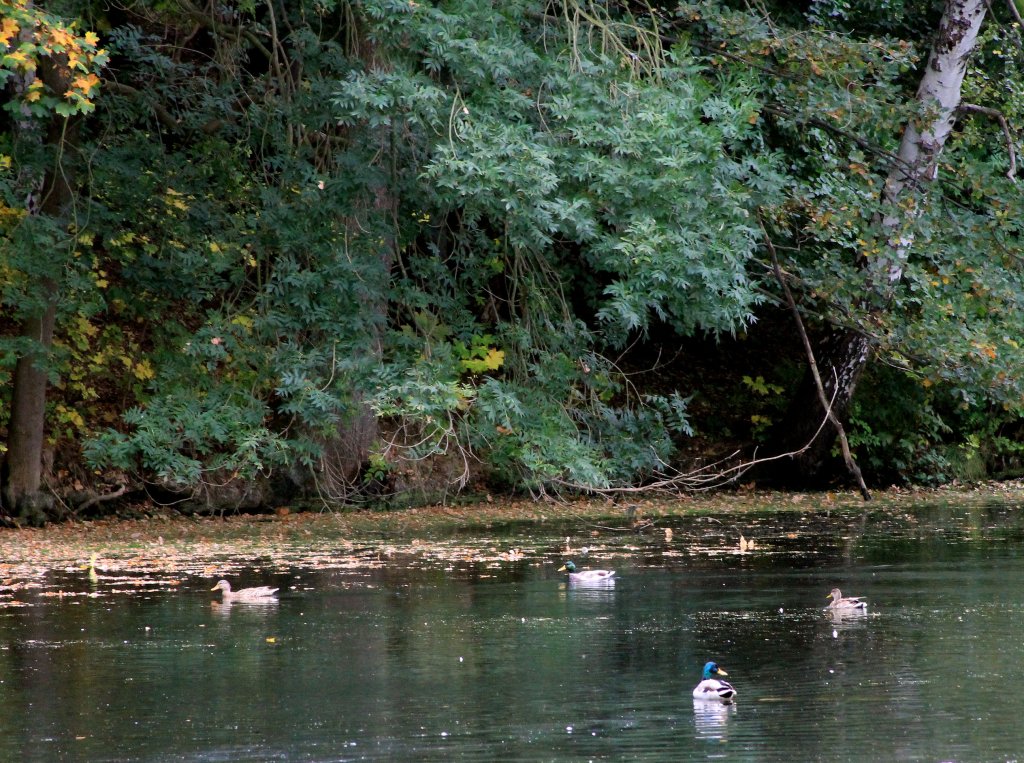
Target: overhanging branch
(1001,119)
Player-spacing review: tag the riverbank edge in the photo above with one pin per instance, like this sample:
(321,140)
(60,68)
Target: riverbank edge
(252,535)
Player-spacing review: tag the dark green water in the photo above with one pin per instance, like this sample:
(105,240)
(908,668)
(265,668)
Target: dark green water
(445,661)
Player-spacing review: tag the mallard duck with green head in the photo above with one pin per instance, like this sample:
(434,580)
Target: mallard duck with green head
(713,687)
(587,576)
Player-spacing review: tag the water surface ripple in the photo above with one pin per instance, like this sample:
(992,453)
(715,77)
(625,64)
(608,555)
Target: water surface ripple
(509,662)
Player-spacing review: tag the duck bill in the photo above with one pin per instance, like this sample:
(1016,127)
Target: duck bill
(722,672)
(562,568)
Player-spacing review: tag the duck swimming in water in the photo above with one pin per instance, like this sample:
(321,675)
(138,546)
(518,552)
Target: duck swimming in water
(244,594)
(712,687)
(845,603)
(586,576)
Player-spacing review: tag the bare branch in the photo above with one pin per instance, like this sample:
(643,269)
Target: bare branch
(998,116)
(840,431)
(95,499)
(1014,12)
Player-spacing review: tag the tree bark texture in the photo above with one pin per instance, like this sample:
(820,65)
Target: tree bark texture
(23,470)
(938,96)
(28,408)
(846,353)
(842,357)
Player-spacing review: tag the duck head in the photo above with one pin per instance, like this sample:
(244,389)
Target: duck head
(711,670)
(568,567)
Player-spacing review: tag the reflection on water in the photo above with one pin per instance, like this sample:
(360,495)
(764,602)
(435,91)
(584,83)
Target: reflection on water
(225,606)
(514,663)
(590,592)
(847,617)
(604,583)
(711,719)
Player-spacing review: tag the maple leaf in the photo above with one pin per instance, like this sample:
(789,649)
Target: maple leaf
(85,83)
(8,31)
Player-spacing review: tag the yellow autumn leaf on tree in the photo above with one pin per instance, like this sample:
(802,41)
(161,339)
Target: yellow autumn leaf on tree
(494,358)
(61,37)
(143,370)
(86,82)
(17,57)
(8,31)
(84,326)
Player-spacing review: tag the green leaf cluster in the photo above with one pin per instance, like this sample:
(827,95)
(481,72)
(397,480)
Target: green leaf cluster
(459,218)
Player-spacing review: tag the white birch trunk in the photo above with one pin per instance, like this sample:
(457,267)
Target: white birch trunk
(939,98)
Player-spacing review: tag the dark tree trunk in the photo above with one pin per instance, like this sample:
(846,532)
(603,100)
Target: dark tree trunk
(23,465)
(806,433)
(26,428)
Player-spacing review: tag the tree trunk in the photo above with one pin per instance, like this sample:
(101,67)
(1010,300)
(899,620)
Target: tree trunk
(847,353)
(23,466)
(28,407)
(842,358)
(939,98)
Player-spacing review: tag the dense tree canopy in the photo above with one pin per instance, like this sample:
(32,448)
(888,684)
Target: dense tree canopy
(344,249)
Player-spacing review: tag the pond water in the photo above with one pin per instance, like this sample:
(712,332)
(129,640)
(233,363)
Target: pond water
(432,658)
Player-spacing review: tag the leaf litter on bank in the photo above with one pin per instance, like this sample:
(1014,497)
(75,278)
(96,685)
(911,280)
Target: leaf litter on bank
(163,551)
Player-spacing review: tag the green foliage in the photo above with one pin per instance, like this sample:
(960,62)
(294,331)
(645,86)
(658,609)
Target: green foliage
(453,215)
(838,88)
(185,440)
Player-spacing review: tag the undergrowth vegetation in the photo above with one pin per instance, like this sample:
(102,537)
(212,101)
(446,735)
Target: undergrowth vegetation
(346,251)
